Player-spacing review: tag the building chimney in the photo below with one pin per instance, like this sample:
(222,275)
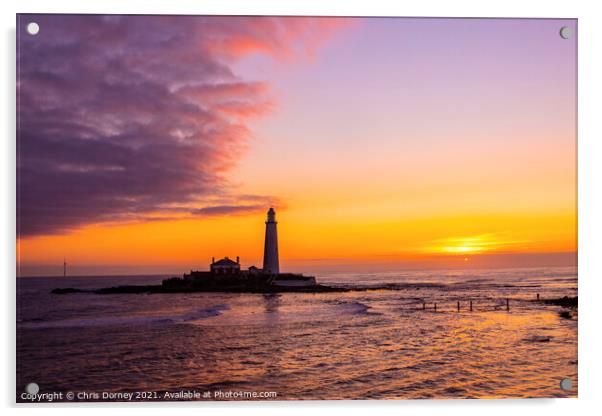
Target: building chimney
(238,259)
(212,260)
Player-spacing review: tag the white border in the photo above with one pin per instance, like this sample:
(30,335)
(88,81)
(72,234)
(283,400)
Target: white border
(590,206)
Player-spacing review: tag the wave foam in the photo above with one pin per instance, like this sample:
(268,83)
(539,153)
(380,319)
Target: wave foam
(125,320)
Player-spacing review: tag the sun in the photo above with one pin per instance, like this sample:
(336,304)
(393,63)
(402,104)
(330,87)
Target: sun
(463,246)
(462,249)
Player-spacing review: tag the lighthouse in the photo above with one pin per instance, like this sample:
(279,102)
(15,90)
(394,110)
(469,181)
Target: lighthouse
(270,251)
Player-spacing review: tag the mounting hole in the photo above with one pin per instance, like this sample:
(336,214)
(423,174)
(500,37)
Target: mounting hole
(32,388)
(33,28)
(566,384)
(566,32)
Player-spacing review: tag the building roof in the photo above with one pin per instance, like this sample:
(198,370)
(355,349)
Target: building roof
(225,262)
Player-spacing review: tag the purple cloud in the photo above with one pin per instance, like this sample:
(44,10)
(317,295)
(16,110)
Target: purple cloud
(132,117)
(228,209)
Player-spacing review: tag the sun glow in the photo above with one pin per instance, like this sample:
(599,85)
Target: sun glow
(462,249)
(471,245)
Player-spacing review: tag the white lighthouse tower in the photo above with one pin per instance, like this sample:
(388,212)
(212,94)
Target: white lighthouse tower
(270,251)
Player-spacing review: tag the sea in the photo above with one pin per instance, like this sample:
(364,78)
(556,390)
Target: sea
(388,342)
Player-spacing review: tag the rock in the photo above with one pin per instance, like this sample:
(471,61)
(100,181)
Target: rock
(62,291)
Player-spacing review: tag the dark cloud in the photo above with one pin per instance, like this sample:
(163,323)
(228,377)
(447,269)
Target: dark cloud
(123,118)
(228,209)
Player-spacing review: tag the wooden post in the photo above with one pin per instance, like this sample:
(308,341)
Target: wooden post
(538,296)
(435,305)
(458,306)
(471,305)
(423,305)
(507,304)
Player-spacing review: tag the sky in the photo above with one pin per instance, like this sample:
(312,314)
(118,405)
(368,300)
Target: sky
(149,144)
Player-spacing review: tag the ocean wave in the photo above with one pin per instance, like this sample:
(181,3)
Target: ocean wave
(356,308)
(204,313)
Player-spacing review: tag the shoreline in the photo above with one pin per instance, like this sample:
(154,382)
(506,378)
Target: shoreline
(566,302)
(132,289)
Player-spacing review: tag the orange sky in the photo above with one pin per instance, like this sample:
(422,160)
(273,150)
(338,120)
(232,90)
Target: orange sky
(313,237)
(376,154)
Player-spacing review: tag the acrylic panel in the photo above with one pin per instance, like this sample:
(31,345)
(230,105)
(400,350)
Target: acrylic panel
(295,208)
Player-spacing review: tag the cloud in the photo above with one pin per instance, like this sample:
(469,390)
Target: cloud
(238,205)
(228,209)
(131,117)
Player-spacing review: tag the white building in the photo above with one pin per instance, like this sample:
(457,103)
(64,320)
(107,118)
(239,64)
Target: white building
(271,264)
